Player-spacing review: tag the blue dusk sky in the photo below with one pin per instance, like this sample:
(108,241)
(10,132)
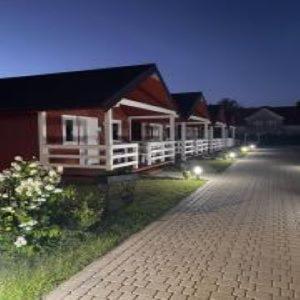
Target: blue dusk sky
(248,50)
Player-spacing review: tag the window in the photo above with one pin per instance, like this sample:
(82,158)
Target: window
(155,131)
(152,131)
(167,132)
(70,130)
(178,132)
(117,130)
(80,130)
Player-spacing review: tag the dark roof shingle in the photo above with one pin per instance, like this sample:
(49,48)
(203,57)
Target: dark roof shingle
(186,103)
(77,89)
(216,113)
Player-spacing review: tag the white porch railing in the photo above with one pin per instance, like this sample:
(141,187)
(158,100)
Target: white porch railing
(125,155)
(229,142)
(155,152)
(217,144)
(91,156)
(201,146)
(192,147)
(185,148)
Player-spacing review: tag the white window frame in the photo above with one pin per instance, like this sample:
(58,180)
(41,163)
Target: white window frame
(75,129)
(168,127)
(160,129)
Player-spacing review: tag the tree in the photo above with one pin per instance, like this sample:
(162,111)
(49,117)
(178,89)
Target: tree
(230,105)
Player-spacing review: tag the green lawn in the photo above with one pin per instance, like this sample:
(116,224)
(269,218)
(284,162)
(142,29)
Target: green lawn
(216,165)
(29,278)
(210,166)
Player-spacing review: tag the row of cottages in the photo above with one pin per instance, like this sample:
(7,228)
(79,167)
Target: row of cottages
(105,119)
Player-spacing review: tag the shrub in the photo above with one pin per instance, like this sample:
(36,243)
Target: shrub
(28,194)
(187,174)
(34,209)
(81,207)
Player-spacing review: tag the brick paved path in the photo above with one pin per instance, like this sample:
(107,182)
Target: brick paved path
(236,238)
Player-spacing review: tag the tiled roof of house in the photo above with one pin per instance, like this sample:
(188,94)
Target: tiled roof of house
(191,103)
(101,88)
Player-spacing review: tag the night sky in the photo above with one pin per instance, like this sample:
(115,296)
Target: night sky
(248,50)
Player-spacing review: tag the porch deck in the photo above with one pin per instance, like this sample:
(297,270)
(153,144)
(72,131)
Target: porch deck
(139,155)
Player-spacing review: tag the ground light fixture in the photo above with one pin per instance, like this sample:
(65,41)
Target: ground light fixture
(244,149)
(197,170)
(252,146)
(232,155)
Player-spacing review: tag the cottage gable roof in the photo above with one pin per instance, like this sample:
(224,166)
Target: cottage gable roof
(264,113)
(290,115)
(217,113)
(101,88)
(191,103)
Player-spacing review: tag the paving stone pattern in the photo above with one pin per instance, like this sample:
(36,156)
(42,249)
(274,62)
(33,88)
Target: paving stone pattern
(236,238)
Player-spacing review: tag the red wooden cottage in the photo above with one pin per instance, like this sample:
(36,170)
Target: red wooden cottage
(218,127)
(191,131)
(231,119)
(88,120)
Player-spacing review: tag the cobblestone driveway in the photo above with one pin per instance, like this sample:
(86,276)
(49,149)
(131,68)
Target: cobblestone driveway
(236,238)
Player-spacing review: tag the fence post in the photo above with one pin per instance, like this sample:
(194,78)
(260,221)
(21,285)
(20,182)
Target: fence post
(108,140)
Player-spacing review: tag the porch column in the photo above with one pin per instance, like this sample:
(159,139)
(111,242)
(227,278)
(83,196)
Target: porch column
(143,131)
(223,136)
(223,131)
(227,134)
(172,134)
(183,131)
(172,128)
(211,133)
(206,131)
(233,135)
(42,132)
(233,132)
(183,138)
(108,139)
(129,130)
(211,138)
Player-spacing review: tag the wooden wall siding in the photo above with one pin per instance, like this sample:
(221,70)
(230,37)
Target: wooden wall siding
(201,110)
(151,91)
(54,122)
(19,133)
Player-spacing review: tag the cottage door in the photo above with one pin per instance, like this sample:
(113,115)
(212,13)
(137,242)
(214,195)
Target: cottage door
(88,135)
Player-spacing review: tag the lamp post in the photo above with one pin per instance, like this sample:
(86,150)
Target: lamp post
(232,155)
(198,171)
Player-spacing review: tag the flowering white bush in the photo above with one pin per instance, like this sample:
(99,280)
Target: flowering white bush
(29,194)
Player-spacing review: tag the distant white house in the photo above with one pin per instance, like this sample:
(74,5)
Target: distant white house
(269,121)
